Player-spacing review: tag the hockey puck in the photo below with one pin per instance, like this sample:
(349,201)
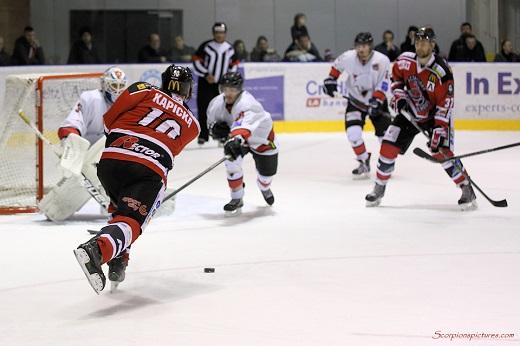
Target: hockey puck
(209,270)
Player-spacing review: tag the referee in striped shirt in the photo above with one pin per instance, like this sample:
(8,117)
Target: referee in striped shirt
(211,61)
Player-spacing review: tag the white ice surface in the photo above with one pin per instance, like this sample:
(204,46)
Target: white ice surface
(317,268)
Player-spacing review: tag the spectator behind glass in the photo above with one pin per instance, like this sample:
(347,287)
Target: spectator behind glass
(409,43)
(83,50)
(181,52)
(506,54)
(303,50)
(5,59)
(240,50)
(27,49)
(471,52)
(299,27)
(387,47)
(152,52)
(459,48)
(262,52)
(328,55)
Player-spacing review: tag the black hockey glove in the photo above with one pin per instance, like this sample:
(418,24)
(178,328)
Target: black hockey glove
(219,130)
(235,147)
(439,139)
(330,86)
(375,107)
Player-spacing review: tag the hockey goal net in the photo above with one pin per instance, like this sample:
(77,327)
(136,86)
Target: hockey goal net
(28,167)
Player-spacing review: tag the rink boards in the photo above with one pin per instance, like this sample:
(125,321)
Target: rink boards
(486,94)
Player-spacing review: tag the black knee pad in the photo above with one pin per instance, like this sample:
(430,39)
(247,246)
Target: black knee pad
(380,123)
(266,165)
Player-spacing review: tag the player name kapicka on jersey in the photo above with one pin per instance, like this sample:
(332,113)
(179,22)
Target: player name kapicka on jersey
(176,109)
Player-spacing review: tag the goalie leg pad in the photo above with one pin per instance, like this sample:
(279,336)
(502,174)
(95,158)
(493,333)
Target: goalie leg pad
(67,197)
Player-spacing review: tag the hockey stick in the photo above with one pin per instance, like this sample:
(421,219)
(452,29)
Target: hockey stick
(91,189)
(499,204)
(421,153)
(385,114)
(197,177)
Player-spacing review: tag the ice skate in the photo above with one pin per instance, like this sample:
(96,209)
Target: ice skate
(468,200)
(89,259)
(234,206)
(363,170)
(373,199)
(268,196)
(116,270)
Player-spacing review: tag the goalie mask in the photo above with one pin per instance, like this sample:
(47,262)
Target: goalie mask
(177,80)
(113,83)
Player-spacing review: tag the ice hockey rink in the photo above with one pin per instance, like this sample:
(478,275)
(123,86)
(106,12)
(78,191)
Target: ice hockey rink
(317,268)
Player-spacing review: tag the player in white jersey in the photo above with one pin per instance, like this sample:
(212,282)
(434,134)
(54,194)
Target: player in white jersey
(367,84)
(82,137)
(237,116)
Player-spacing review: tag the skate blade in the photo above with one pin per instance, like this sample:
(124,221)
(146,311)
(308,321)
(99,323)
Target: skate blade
(233,213)
(373,204)
(93,279)
(113,286)
(468,206)
(362,176)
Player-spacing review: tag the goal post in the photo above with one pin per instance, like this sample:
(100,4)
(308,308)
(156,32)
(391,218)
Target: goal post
(28,168)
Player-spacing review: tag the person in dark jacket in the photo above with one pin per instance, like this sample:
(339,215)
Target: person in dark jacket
(5,59)
(181,52)
(506,54)
(459,47)
(27,49)
(83,50)
(387,47)
(262,52)
(471,52)
(303,50)
(299,27)
(152,53)
(409,43)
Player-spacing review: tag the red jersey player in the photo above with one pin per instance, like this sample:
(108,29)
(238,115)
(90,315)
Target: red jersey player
(422,84)
(146,128)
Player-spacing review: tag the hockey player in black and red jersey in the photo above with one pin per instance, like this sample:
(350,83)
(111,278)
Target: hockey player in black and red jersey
(237,117)
(146,128)
(367,84)
(422,85)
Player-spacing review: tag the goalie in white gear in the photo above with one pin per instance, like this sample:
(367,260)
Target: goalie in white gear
(236,116)
(82,138)
(367,84)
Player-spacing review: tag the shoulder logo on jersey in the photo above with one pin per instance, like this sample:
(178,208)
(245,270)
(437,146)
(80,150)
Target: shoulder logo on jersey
(132,143)
(403,64)
(432,79)
(439,70)
(139,86)
(375,67)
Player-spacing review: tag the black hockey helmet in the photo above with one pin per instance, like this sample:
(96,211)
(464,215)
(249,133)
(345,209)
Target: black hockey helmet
(231,79)
(364,38)
(425,33)
(219,27)
(177,80)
